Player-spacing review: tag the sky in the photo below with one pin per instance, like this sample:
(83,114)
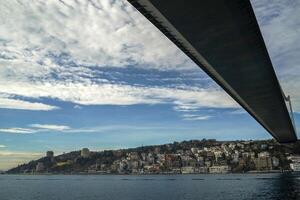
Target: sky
(97,74)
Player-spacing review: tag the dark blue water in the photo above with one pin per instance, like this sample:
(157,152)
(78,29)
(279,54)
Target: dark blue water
(157,187)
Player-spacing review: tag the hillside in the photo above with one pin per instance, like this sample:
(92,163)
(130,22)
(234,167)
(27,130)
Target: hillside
(195,156)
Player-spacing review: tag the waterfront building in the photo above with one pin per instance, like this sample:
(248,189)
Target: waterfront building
(242,163)
(294,158)
(187,170)
(135,171)
(155,168)
(201,170)
(176,171)
(207,163)
(295,167)
(222,169)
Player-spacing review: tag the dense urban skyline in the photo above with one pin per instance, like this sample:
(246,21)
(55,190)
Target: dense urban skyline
(97,74)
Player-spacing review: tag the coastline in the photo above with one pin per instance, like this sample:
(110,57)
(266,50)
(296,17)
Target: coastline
(157,174)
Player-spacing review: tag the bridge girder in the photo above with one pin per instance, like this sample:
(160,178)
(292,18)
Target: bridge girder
(223,38)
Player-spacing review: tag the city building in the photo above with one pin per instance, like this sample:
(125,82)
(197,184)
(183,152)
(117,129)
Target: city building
(40,167)
(263,163)
(264,154)
(235,157)
(207,163)
(50,154)
(222,169)
(295,167)
(275,161)
(201,170)
(187,170)
(85,153)
(295,163)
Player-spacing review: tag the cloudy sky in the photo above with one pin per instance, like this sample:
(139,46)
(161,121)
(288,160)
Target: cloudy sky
(97,74)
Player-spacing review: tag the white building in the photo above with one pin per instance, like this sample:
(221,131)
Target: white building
(294,158)
(201,170)
(264,154)
(222,169)
(295,165)
(207,163)
(187,170)
(194,150)
(275,161)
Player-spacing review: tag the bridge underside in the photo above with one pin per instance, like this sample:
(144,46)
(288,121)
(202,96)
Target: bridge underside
(224,39)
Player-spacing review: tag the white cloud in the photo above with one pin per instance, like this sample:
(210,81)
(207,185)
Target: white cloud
(9,103)
(17,130)
(280,26)
(97,33)
(238,112)
(50,127)
(37,128)
(118,94)
(42,40)
(77,107)
(194,117)
(2,146)
(185,107)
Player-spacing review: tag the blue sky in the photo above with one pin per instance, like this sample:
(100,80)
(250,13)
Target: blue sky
(97,74)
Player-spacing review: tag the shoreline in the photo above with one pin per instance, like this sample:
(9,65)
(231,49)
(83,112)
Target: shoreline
(161,174)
